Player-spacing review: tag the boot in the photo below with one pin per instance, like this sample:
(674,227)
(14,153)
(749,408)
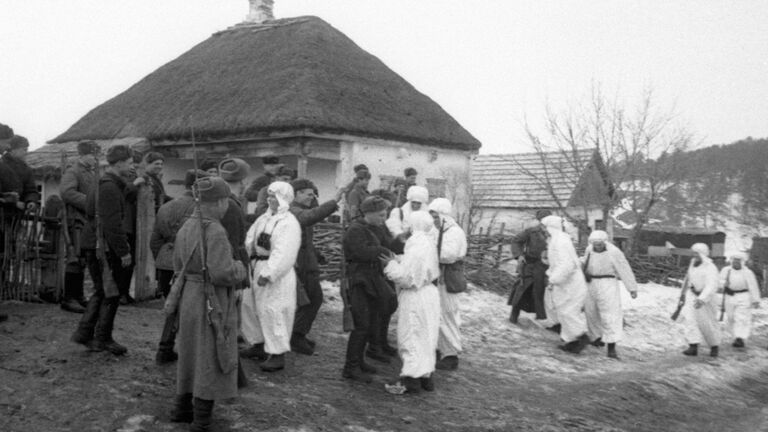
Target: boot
(203,410)
(412,385)
(103,332)
(164,357)
(311,343)
(354,357)
(182,411)
(70,302)
(377,354)
(576,346)
(242,380)
(555,328)
(693,350)
(84,333)
(448,363)
(365,367)
(598,343)
(77,288)
(714,351)
(612,351)
(255,351)
(514,315)
(126,299)
(300,344)
(427,383)
(274,363)
(71,305)
(356,373)
(738,343)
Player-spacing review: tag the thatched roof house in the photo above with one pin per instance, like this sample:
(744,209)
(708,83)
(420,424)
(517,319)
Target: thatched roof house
(296,88)
(509,188)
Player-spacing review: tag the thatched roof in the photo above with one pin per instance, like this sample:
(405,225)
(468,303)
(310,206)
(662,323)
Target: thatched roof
(297,74)
(538,180)
(46,160)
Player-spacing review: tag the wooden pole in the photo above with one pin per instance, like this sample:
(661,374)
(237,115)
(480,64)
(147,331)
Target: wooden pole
(144,284)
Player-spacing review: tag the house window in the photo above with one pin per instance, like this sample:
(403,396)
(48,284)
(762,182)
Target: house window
(436,188)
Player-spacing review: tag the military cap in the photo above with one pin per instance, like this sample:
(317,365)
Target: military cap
(18,141)
(286,172)
(153,156)
(270,160)
(87,147)
(234,169)
(401,182)
(360,167)
(301,184)
(5,132)
(410,172)
(118,153)
(209,164)
(373,204)
(212,189)
(191,177)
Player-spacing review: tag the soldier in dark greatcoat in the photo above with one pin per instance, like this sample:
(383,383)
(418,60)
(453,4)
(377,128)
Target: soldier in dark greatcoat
(528,295)
(370,294)
(169,220)
(207,339)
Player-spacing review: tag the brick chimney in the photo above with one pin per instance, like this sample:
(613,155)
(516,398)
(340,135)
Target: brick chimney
(260,11)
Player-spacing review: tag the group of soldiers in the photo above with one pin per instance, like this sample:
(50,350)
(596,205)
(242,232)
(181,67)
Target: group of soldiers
(232,276)
(580,297)
(18,192)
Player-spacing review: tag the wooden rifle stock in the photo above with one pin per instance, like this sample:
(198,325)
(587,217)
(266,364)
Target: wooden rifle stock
(681,300)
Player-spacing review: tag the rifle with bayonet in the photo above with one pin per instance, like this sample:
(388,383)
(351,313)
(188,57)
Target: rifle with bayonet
(348,323)
(213,309)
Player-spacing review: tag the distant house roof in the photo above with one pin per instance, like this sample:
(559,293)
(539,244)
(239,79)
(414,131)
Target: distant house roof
(281,76)
(536,180)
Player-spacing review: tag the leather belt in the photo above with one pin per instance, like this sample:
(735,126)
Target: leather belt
(731,292)
(602,276)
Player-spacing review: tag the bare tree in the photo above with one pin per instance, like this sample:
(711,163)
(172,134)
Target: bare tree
(458,183)
(641,149)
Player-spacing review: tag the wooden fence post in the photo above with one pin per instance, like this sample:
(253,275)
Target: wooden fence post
(144,284)
(500,247)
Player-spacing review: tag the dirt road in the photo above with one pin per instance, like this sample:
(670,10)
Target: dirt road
(511,378)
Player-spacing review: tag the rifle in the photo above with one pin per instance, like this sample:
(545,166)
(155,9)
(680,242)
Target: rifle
(681,300)
(214,313)
(725,288)
(71,254)
(348,323)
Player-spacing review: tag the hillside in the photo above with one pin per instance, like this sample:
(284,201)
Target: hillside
(723,187)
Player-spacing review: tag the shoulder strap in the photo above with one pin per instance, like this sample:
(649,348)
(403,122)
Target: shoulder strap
(586,262)
(440,239)
(728,278)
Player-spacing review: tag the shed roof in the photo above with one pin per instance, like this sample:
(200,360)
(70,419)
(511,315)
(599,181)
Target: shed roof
(529,180)
(296,74)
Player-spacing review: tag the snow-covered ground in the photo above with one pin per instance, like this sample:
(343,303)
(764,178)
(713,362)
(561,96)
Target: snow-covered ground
(650,336)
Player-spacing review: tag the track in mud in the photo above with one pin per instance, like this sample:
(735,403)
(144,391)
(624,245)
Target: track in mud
(510,378)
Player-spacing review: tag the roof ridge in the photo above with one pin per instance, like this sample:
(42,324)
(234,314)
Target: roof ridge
(533,153)
(266,25)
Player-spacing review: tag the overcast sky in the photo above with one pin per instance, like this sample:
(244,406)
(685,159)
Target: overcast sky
(489,63)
